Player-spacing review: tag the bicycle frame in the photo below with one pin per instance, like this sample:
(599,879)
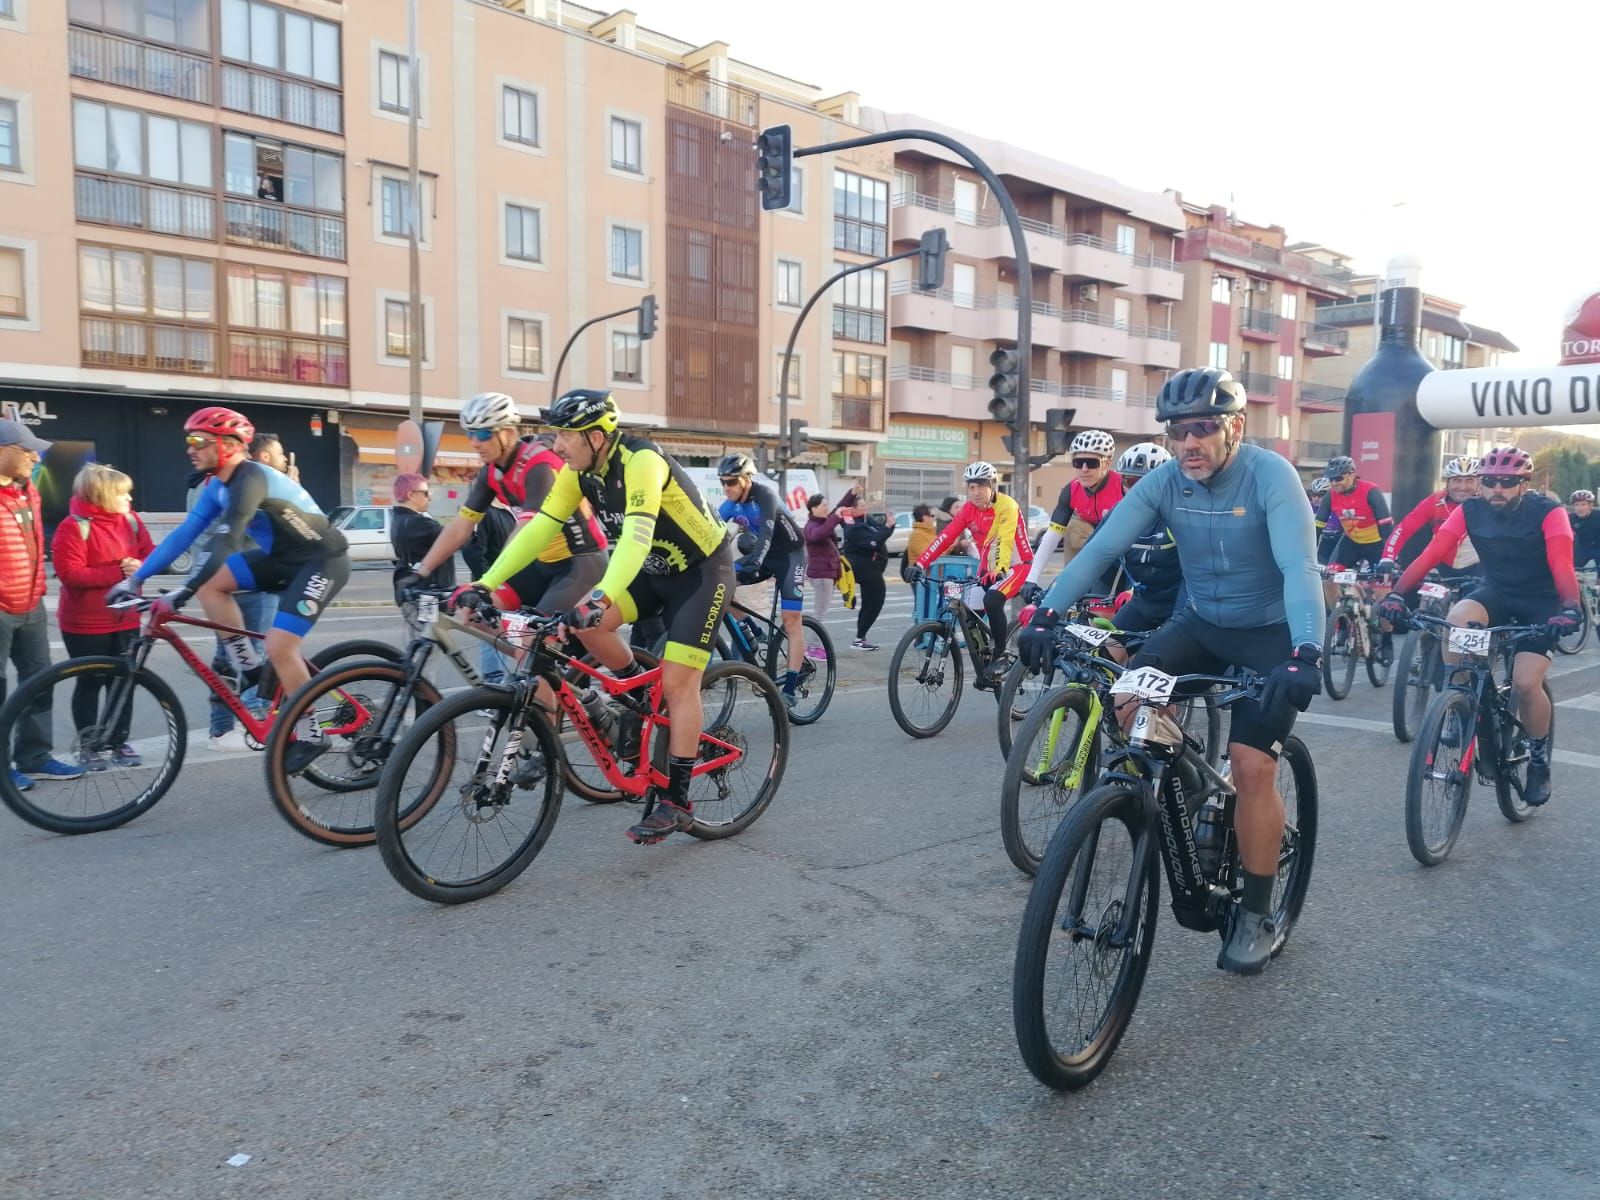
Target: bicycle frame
(955,613)
(157,630)
(1474,675)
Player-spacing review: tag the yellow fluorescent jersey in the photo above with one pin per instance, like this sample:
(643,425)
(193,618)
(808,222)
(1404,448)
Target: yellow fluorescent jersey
(666,525)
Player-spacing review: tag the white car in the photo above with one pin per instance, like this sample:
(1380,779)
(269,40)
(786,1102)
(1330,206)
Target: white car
(901,535)
(366,528)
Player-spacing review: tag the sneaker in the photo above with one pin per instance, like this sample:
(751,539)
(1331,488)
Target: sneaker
(231,742)
(126,756)
(301,754)
(20,781)
(863,644)
(1249,946)
(820,653)
(55,769)
(94,761)
(789,700)
(1536,789)
(665,819)
(530,772)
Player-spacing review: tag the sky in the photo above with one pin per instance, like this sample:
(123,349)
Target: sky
(1463,133)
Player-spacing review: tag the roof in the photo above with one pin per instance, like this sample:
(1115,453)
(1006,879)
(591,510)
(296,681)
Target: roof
(1491,337)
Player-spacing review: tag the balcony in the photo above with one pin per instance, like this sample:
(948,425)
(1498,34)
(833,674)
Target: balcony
(858,413)
(287,359)
(922,391)
(277,227)
(282,98)
(912,308)
(134,204)
(1319,341)
(1259,325)
(1222,246)
(147,345)
(1090,257)
(1154,347)
(1260,388)
(131,64)
(1156,276)
(1319,397)
(1084,331)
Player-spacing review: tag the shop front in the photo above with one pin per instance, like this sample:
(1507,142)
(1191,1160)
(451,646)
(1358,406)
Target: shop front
(920,463)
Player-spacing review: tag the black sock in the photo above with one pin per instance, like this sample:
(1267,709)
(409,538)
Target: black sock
(628,672)
(678,773)
(1258,893)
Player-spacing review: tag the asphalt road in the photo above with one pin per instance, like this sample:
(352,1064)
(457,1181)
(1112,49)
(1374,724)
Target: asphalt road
(820,1007)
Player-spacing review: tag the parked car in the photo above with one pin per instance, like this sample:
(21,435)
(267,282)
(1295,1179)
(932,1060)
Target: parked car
(366,528)
(901,535)
(1038,522)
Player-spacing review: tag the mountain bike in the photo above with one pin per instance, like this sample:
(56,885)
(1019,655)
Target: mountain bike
(1419,667)
(1056,754)
(459,833)
(1090,922)
(1588,613)
(761,640)
(132,706)
(1469,729)
(925,671)
(1353,635)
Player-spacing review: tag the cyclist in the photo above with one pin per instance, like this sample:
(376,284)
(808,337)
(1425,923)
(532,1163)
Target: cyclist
(1460,483)
(672,556)
(1585,529)
(272,537)
(519,472)
(1363,514)
(779,552)
(1001,537)
(1524,542)
(1085,501)
(1246,544)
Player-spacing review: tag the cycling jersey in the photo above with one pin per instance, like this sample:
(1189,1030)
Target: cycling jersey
(1246,544)
(257,503)
(1585,538)
(1362,511)
(997,531)
(1431,513)
(777,535)
(523,486)
(1152,565)
(1525,551)
(667,528)
(1091,506)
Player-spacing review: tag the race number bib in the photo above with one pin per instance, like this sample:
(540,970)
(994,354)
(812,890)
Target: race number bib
(1469,641)
(1434,591)
(1145,683)
(952,590)
(427,610)
(1089,633)
(1344,577)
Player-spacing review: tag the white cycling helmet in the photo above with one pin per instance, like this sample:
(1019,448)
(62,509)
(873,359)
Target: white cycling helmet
(1142,458)
(489,410)
(1094,441)
(981,472)
(1460,466)
(1320,485)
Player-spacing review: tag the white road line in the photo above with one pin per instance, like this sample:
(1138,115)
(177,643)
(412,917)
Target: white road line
(1589,701)
(1569,757)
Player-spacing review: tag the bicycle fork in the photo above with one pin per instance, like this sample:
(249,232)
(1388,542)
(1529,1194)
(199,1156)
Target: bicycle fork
(1080,758)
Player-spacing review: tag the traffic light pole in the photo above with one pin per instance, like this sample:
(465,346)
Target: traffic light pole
(555,380)
(788,356)
(1019,475)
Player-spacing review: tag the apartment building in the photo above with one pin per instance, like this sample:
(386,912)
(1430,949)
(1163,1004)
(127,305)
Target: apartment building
(207,201)
(1105,283)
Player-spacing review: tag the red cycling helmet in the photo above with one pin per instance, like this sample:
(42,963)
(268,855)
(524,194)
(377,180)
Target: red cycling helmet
(1506,460)
(221,422)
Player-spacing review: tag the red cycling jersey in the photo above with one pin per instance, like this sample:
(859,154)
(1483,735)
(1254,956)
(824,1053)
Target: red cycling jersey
(1078,501)
(1000,535)
(1430,514)
(1362,512)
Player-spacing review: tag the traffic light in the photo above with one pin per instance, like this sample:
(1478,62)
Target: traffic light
(930,262)
(647,318)
(1057,434)
(1011,441)
(774,166)
(760,455)
(797,441)
(1003,385)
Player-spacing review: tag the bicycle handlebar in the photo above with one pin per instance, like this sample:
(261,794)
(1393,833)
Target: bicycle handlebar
(1422,618)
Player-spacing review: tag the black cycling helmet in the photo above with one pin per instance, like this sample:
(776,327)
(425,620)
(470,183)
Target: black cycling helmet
(736,464)
(1339,466)
(582,408)
(1199,392)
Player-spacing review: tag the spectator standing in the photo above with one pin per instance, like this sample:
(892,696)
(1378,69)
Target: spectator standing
(866,541)
(822,550)
(24,626)
(267,448)
(101,542)
(412,531)
(925,527)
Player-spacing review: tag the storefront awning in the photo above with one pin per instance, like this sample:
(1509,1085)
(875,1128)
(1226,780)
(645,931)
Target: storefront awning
(378,455)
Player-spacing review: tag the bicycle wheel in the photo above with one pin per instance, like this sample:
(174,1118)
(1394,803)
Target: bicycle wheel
(1439,778)
(744,717)
(1054,760)
(1200,718)
(819,671)
(363,708)
(1297,784)
(475,828)
(1077,977)
(924,679)
(1380,659)
(1019,692)
(1339,654)
(1574,641)
(130,751)
(1510,780)
(1417,672)
(367,648)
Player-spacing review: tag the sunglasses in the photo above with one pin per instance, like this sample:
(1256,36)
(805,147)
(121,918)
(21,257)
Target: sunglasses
(198,439)
(481,435)
(1177,431)
(732,480)
(421,491)
(1087,464)
(1501,481)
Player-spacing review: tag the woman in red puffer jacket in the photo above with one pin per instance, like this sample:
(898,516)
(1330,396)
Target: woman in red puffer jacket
(100,543)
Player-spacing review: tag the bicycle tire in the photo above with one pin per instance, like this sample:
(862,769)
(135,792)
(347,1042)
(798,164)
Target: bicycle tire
(803,713)
(1339,621)
(1026,837)
(1508,792)
(1020,690)
(367,648)
(1429,847)
(949,660)
(28,805)
(1213,719)
(1416,673)
(351,826)
(417,878)
(1575,640)
(1299,840)
(1077,838)
(1377,669)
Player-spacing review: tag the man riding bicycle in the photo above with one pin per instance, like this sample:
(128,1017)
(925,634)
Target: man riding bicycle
(1362,510)
(1460,483)
(672,556)
(1524,544)
(995,522)
(273,537)
(1246,544)
(779,552)
(1585,529)
(1086,499)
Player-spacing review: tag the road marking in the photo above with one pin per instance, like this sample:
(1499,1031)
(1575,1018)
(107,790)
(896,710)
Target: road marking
(1589,701)
(1569,757)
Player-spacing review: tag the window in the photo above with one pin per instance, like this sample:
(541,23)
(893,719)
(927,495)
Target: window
(287,325)
(797,190)
(523,234)
(1119,384)
(13,290)
(173,22)
(626,357)
(396,335)
(627,145)
(791,289)
(1121,313)
(1219,355)
(858,390)
(276,38)
(1263,294)
(964,285)
(859,304)
(519,115)
(961,363)
(860,214)
(8,10)
(147,311)
(394,82)
(282,173)
(1221,289)
(525,345)
(966,201)
(1125,236)
(10,151)
(395,206)
(797,387)
(627,252)
(1285,366)
(1288,306)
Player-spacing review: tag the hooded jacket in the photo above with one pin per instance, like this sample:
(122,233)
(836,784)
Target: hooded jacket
(21,548)
(88,550)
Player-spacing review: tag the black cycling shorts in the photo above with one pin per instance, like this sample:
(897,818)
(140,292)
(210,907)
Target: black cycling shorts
(1140,614)
(1347,553)
(554,587)
(1523,609)
(789,570)
(692,603)
(1188,645)
(303,589)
